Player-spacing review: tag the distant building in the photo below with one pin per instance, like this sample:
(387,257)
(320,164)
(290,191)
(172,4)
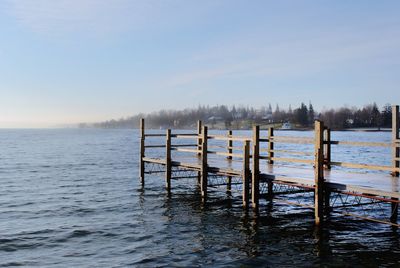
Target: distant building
(286,125)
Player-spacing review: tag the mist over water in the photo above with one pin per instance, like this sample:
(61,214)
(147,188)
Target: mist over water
(72,198)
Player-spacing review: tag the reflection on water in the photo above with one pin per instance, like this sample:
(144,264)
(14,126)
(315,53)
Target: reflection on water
(72,198)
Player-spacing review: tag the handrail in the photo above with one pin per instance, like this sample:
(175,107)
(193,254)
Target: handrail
(294,160)
(226,138)
(288,152)
(364,166)
(154,146)
(225,154)
(186,150)
(183,145)
(358,143)
(155,135)
(284,139)
(185,136)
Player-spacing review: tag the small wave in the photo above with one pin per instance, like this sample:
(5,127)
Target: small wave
(80,233)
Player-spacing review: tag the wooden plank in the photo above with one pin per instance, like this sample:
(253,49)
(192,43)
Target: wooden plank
(319,173)
(152,135)
(168,168)
(246,174)
(183,145)
(363,144)
(142,151)
(224,171)
(255,181)
(292,139)
(154,160)
(184,136)
(154,146)
(293,160)
(185,165)
(282,138)
(363,166)
(186,150)
(288,152)
(225,154)
(235,148)
(204,166)
(225,138)
(270,145)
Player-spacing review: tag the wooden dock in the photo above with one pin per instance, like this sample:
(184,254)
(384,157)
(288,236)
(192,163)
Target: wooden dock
(254,163)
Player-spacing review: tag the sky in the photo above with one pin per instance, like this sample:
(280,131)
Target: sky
(64,62)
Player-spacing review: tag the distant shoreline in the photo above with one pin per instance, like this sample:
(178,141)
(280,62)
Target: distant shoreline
(263,128)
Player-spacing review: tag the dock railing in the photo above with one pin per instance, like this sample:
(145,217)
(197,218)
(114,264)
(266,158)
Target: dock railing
(252,151)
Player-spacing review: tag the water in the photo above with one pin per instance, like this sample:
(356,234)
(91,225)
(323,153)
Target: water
(71,198)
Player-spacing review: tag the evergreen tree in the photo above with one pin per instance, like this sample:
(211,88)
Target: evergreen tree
(311,114)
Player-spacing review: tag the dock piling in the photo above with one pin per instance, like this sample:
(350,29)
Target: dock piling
(319,173)
(246,174)
(168,166)
(199,127)
(255,183)
(327,148)
(142,147)
(229,157)
(204,166)
(395,157)
(270,145)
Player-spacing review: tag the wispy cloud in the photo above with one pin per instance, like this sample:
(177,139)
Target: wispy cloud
(101,17)
(257,58)
(63,16)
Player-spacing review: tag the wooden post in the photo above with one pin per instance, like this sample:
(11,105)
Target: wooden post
(270,145)
(395,157)
(199,126)
(395,139)
(270,160)
(270,194)
(327,148)
(142,148)
(246,174)
(168,166)
(319,172)
(204,171)
(229,157)
(255,182)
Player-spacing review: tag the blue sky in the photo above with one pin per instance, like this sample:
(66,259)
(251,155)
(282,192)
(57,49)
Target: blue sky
(63,62)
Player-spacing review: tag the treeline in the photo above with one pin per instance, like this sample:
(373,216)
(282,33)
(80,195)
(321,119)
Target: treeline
(222,116)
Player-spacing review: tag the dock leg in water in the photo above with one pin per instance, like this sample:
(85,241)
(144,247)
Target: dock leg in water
(319,173)
(204,165)
(246,174)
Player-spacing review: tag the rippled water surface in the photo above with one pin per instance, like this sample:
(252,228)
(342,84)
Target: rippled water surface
(71,198)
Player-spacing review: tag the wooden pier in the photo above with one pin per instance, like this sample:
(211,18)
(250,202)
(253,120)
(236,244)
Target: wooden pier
(254,164)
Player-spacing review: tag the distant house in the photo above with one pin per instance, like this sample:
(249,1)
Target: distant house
(286,125)
(215,118)
(267,117)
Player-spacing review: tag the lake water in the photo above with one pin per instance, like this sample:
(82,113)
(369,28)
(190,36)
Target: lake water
(71,198)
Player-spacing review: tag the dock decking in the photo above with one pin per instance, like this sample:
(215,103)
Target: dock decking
(255,165)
